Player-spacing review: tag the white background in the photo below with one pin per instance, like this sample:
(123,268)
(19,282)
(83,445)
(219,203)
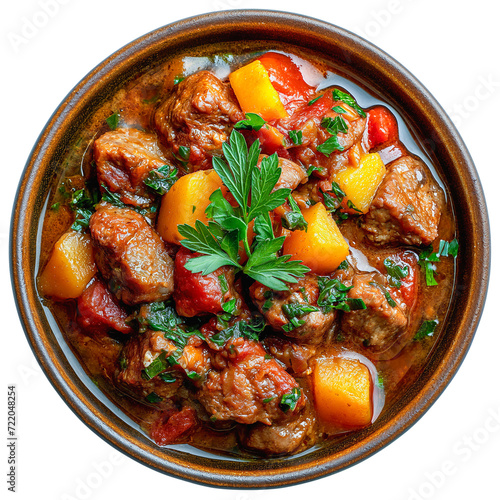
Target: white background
(453,452)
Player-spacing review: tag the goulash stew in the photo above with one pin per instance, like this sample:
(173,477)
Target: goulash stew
(243,258)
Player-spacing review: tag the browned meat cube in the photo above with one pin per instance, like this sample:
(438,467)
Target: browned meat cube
(199,115)
(292,174)
(248,386)
(131,256)
(278,439)
(407,206)
(137,355)
(124,157)
(378,326)
(294,312)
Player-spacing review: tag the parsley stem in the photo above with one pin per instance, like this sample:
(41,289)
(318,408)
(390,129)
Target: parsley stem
(247,246)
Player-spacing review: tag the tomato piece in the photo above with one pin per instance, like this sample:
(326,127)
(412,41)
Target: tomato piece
(270,138)
(409,284)
(170,427)
(382,126)
(100,311)
(196,294)
(287,79)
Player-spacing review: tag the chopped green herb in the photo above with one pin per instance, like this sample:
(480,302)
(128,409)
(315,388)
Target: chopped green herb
(229,306)
(395,273)
(294,219)
(295,137)
(152,397)
(333,295)
(267,305)
(297,309)
(157,366)
(250,330)
(386,294)
(428,258)
(343,265)
(351,205)
(335,125)
(329,146)
(161,179)
(339,109)
(224,287)
(252,121)
(289,401)
(313,168)
(82,202)
(312,101)
(184,152)
(55,206)
(426,329)
(193,375)
(113,121)
(178,79)
(339,95)
(167,378)
(268,400)
(161,316)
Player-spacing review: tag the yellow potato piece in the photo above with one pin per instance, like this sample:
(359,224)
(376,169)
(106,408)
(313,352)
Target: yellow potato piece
(70,267)
(322,248)
(185,203)
(343,392)
(255,92)
(361,183)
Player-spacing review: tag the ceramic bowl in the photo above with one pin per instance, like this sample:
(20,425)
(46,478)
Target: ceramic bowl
(383,76)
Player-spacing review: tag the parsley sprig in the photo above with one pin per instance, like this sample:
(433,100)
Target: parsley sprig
(253,190)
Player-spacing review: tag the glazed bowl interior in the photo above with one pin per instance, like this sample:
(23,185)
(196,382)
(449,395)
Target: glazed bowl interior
(369,67)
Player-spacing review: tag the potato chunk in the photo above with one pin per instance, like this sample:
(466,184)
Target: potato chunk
(343,392)
(70,267)
(255,92)
(322,248)
(361,183)
(185,203)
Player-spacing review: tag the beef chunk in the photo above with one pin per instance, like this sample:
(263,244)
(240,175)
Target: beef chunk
(407,206)
(196,294)
(378,326)
(99,311)
(295,358)
(247,386)
(131,255)
(278,439)
(139,352)
(312,121)
(278,308)
(292,174)
(124,157)
(199,115)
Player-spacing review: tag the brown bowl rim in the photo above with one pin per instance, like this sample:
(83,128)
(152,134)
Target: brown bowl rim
(467,303)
